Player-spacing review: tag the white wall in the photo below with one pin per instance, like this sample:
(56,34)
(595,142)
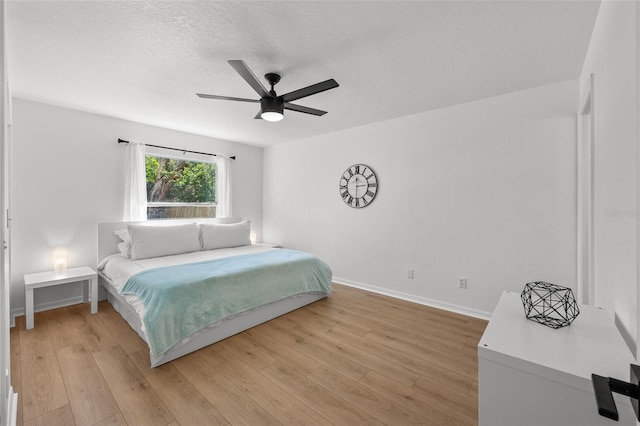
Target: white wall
(611,57)
(484,190)
(67,177)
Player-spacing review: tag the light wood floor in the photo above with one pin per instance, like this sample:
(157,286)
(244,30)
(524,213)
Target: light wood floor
(353,358)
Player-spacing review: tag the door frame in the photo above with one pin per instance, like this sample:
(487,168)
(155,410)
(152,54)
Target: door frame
(586,196)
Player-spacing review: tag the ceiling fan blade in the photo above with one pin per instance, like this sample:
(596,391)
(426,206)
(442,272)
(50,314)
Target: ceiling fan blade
(249,77)
(258,116)
(310,90)
(227,98)
(306,110)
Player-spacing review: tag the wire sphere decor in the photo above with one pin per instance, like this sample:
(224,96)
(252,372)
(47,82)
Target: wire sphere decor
(549,304)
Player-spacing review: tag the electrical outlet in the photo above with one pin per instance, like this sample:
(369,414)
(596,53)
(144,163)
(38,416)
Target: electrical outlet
(462,283)
(410,274)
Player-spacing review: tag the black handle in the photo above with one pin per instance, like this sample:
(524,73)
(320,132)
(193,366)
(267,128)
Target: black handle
(603,388)
(604,397)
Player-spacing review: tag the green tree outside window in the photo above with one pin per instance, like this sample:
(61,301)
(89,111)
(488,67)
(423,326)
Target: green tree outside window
(179,188)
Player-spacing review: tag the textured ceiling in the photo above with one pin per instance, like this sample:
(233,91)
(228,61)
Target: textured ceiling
(145,60)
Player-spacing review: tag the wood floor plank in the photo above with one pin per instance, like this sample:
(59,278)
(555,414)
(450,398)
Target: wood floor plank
(63,328)
(42,384)
(365,358)
(477,325)
(35,343)
(232,402)
(473,392)
(89,396)
(435,411)
(424,361)
(444,340)
(59,417)
(136,399)
(364,398)
(340,317)
(332,407)
(394,340)
(381,317)
(456,400)
(349,316)
(313,320)
(116,420)
(397,307)
(293,358)
(458,327)
(315,348)
(279,403)
(126,337)
(94,333)
(420,364)
(248,350)
(284,321)
(186,403)
(458,355)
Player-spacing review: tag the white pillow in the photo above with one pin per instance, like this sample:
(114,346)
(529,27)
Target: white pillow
(218,235)
(123,234)
(155,241)
(125,249)
(125,245)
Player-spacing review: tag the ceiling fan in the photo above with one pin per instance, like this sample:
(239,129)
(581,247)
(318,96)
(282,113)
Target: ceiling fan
(272,106)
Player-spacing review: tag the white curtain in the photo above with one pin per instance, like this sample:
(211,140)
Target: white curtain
(223,187)
(135,183)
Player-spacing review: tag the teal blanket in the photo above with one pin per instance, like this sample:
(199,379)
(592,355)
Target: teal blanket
(183,299)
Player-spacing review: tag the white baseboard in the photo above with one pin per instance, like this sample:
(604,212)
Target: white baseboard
(45,307)
(12,407)
(417,299)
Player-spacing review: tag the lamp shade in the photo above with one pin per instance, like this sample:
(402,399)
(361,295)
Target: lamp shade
(60,260)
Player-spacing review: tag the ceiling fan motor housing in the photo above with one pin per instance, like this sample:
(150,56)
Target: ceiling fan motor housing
(269,104)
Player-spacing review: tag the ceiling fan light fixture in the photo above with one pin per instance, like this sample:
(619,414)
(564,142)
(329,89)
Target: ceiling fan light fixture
(271,116)
(272,109)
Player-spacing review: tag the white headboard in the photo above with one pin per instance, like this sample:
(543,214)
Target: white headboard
(108,241)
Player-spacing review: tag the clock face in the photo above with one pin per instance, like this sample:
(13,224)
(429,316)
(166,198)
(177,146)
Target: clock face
(358,186)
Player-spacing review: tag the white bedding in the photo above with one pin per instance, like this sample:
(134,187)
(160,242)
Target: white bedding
(118,269)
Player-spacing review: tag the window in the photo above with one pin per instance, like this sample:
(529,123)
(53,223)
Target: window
(178,188)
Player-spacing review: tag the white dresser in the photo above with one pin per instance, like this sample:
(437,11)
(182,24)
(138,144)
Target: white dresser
(532,375)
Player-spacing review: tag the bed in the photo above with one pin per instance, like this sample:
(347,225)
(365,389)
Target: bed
(183,296)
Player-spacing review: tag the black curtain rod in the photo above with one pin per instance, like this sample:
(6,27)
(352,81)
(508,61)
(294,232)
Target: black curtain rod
(176,149)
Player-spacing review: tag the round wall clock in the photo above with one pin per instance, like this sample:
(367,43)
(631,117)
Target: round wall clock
(358,186)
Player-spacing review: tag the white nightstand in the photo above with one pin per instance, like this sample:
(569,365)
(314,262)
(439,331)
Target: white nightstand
(48,279)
